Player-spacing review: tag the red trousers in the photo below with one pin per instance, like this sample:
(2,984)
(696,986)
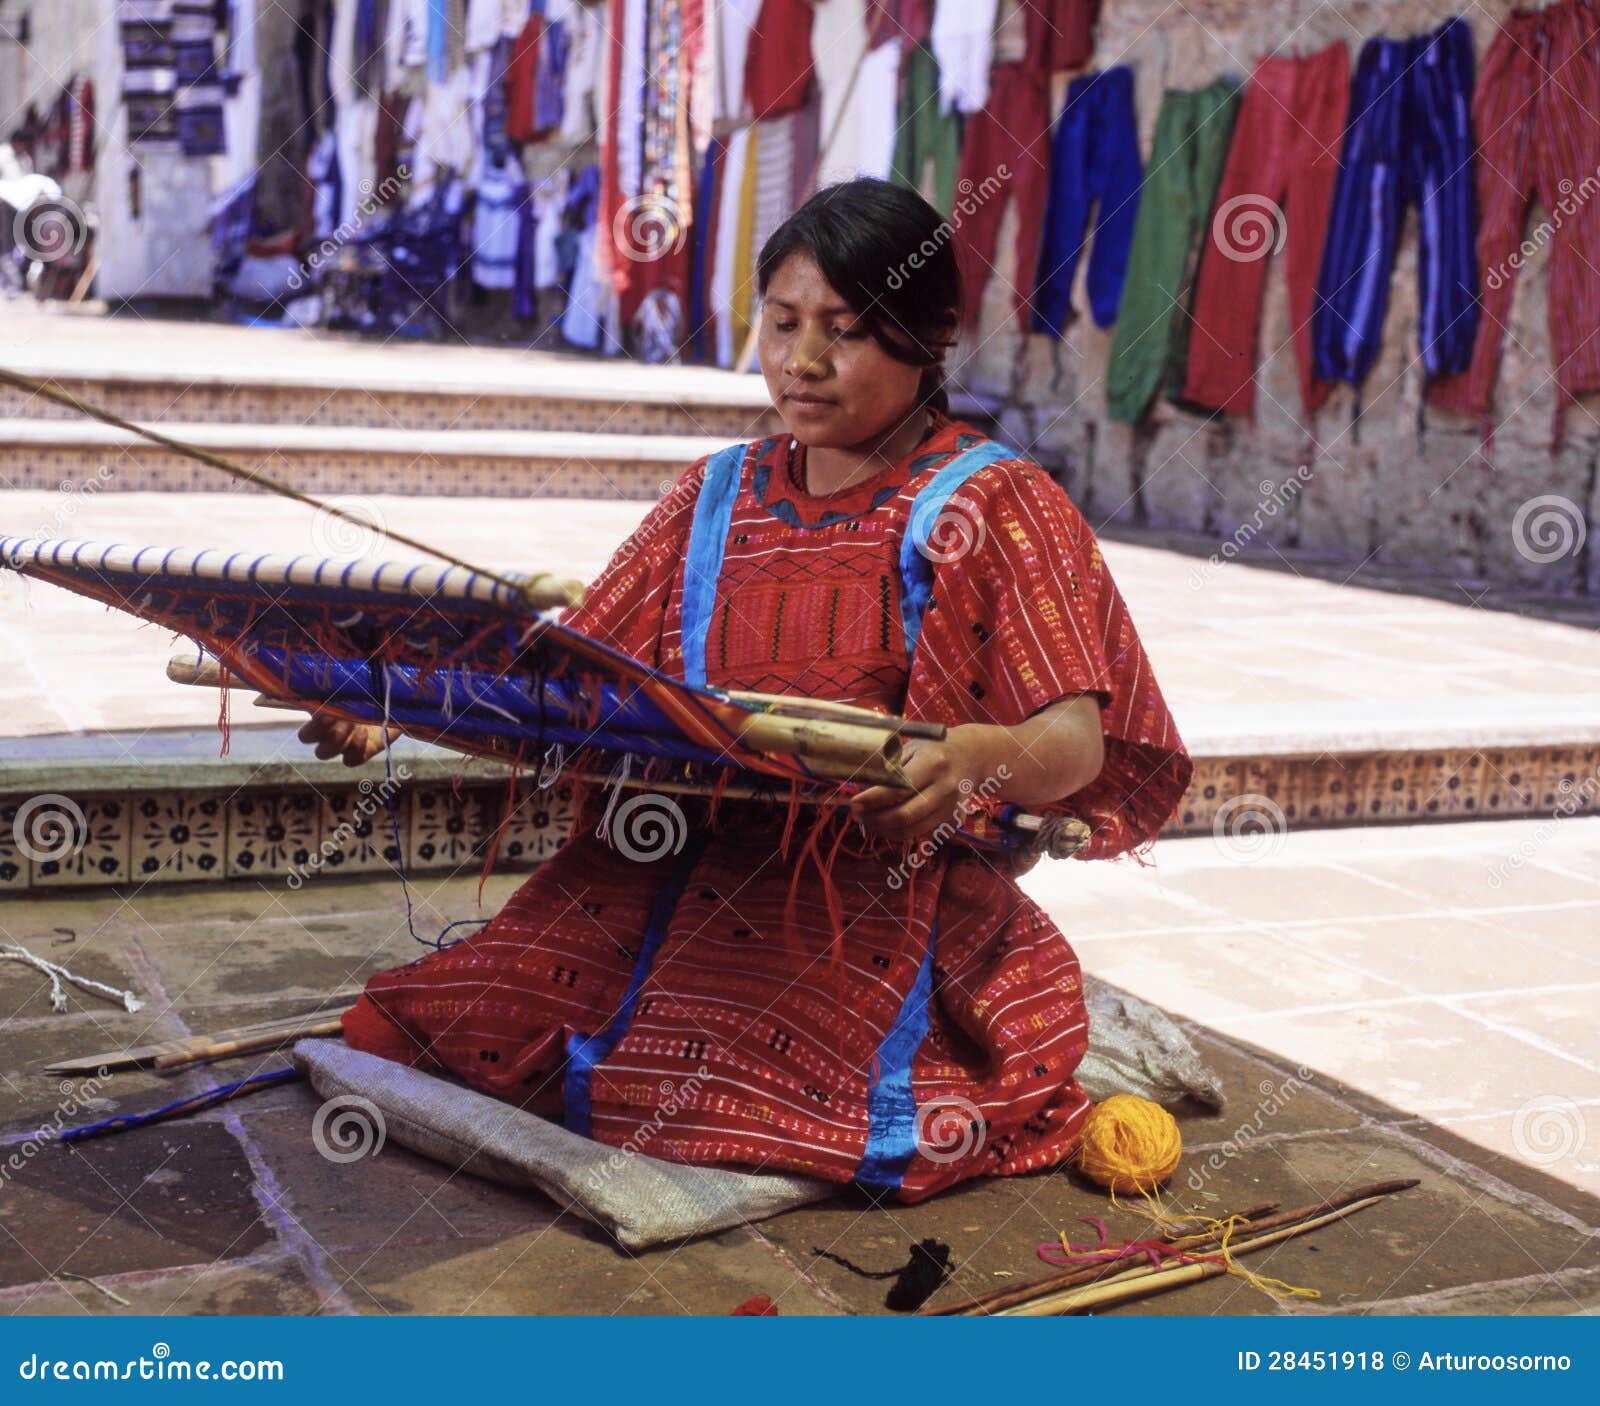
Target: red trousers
(1536,112)
(1280,171)
(1005,155)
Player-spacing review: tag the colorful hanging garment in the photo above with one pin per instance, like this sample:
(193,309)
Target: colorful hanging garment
(1094,164)
(815,1004)
(1151,341)
(1276,190)
(1409,142)
(1005,156)
(1537,116)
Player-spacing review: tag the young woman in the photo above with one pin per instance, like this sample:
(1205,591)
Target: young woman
(918,1020)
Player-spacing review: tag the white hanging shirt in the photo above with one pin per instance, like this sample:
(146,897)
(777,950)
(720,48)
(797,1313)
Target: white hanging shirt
(963,46)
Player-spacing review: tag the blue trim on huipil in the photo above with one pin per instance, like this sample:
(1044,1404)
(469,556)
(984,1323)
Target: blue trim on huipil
(916,568)
(586,1051)
(708,539)
(891,1104)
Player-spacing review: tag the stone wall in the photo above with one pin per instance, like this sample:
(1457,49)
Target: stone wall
(1385,478)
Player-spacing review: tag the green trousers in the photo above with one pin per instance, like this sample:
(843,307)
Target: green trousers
(924,134)
(1151,342)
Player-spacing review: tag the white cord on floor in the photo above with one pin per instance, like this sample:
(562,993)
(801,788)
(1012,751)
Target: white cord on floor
(58,973)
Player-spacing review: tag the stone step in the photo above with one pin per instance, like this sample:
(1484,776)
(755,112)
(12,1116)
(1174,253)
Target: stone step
(94,810)
(329,459)
(452,394)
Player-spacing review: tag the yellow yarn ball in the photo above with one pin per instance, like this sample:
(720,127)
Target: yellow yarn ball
(1129,1144)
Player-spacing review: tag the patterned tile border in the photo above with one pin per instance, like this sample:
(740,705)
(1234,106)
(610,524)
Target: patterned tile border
(298,833)
(149,469)
(294,834)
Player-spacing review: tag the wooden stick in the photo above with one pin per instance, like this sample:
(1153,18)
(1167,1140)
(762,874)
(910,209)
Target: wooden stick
(146,1054)
(1005,1298)
(1156,1281)
(206,672)
(268,1040)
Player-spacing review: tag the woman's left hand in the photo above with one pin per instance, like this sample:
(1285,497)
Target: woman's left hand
(946,775)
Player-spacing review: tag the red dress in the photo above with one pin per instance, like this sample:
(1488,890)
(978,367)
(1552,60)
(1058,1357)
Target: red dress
(912,1024)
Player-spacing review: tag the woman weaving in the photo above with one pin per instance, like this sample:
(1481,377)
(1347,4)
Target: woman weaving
(807,1024)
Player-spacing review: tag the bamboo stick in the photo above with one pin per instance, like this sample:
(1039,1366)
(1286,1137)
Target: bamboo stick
(250,1044)
(1107,1271)
(146,1054)
(1157,1281)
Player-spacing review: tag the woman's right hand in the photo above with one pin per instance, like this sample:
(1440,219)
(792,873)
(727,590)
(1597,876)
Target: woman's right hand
(357,742)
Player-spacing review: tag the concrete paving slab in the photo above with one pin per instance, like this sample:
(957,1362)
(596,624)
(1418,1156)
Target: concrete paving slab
(561,1270)
(269,1284)
(151,1199)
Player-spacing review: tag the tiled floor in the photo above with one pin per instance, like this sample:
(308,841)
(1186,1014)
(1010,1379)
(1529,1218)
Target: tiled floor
(1449,970)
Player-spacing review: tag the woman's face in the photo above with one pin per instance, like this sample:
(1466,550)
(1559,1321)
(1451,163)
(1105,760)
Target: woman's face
(830,380)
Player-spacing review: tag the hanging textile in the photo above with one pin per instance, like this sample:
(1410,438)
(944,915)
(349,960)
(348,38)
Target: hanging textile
(1010,135)
(1281,168)
(1094,164)
(777,64)
(1060,32)
(924,135)
(1409,141)
(962,40)
(496,222)
(1537,116)
(1149,347)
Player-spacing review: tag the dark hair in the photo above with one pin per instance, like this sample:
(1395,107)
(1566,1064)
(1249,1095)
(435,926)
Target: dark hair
(888,254)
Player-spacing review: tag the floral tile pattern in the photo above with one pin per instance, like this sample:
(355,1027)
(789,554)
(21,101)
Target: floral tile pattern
(171,836)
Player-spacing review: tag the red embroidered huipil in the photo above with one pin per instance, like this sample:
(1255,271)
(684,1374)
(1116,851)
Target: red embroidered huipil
(663,1003)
